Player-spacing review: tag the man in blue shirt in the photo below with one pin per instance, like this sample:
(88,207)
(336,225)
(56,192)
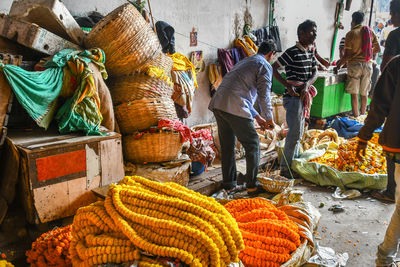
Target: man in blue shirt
(233,107)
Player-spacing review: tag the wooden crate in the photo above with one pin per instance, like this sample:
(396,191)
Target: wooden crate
(58,172)
(51,15)
(32,36)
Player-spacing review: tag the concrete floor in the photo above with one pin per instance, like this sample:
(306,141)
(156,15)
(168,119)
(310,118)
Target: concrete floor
(358,230)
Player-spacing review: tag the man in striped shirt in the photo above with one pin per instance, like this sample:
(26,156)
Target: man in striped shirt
(301,72)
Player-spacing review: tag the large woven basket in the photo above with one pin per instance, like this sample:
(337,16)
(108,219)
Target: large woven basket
(161,61)
(152,147)
(126,38)
(144,113)
(159,173)
(137,86)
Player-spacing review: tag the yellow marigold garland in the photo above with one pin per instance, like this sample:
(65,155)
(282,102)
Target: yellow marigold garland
(164,220)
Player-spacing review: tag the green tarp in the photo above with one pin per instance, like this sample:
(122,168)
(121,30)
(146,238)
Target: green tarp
(324,175)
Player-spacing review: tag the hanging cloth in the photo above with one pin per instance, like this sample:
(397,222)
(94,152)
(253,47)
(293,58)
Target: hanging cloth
(182,63)
(215,77)
(225,60)
(367,43)
(247,44)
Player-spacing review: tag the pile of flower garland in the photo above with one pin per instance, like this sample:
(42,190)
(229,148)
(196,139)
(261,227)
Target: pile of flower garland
(165,220)
(268,233)
(51,248)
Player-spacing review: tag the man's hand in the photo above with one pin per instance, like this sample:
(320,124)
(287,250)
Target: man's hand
(260,120)
(303,94)
(264,124)
(291,90)
(361,149)
(269,124)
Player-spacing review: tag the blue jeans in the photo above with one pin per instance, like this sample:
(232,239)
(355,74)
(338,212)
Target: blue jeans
(294,118)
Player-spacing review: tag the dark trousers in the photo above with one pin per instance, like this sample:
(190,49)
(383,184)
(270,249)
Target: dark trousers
(230,127)
(391,186)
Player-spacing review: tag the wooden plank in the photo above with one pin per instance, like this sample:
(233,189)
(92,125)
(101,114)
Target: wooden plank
(32,36)
(112,163)
(51,15)
(101,191)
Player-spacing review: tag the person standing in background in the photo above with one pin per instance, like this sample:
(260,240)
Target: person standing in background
(360,46)
(301,72)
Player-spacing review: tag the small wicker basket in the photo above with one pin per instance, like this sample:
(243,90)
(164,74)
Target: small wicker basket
(126,38)
(139,115)
(275,183)
(137,86)
(152,147)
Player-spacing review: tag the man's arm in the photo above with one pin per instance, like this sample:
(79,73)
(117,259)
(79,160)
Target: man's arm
(264,81)
(280,79)
(322,60)
(376,48)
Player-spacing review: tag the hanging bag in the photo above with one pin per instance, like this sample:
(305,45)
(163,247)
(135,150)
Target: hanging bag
(273,33)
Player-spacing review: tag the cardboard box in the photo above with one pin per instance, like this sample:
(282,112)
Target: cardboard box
(58,172)
(51,15)
(32,36)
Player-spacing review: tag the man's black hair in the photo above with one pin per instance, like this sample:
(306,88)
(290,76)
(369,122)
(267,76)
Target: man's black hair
(358,17)
(267,46)
(395,7)
(304,26)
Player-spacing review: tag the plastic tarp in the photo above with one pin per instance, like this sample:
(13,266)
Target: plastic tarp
(324,175)
(348,128)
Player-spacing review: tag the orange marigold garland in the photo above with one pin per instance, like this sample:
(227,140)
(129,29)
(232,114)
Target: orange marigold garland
(269,234)
(51,248)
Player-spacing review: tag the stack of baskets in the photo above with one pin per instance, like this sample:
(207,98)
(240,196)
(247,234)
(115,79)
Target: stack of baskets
(140,98)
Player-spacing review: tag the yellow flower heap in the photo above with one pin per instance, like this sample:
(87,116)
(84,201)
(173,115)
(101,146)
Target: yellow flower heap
(165,220)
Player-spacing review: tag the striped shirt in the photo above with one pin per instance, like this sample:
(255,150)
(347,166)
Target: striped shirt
(299,63)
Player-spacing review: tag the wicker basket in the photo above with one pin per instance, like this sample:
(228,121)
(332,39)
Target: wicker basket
(161,61)
(144,113)
(152,147)
(159,173)
(137,86)
(275,183)
(126,38)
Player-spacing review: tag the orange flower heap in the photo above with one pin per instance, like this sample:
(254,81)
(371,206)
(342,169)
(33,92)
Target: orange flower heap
(51,249)
(268,233)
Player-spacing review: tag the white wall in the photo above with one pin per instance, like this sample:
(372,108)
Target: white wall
(289,16)
(217,23)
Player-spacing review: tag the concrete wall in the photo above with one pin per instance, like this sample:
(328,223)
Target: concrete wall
(289,16)
(219,22)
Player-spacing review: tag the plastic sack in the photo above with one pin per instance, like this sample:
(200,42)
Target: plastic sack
(324,175)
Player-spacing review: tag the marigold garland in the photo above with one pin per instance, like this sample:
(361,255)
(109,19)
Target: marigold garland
(269,234)
(164,220)
(51,248)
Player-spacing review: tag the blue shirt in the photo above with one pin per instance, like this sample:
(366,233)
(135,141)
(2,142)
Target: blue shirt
(248,80)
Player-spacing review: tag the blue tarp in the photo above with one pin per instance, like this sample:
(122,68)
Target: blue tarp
(348,128)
